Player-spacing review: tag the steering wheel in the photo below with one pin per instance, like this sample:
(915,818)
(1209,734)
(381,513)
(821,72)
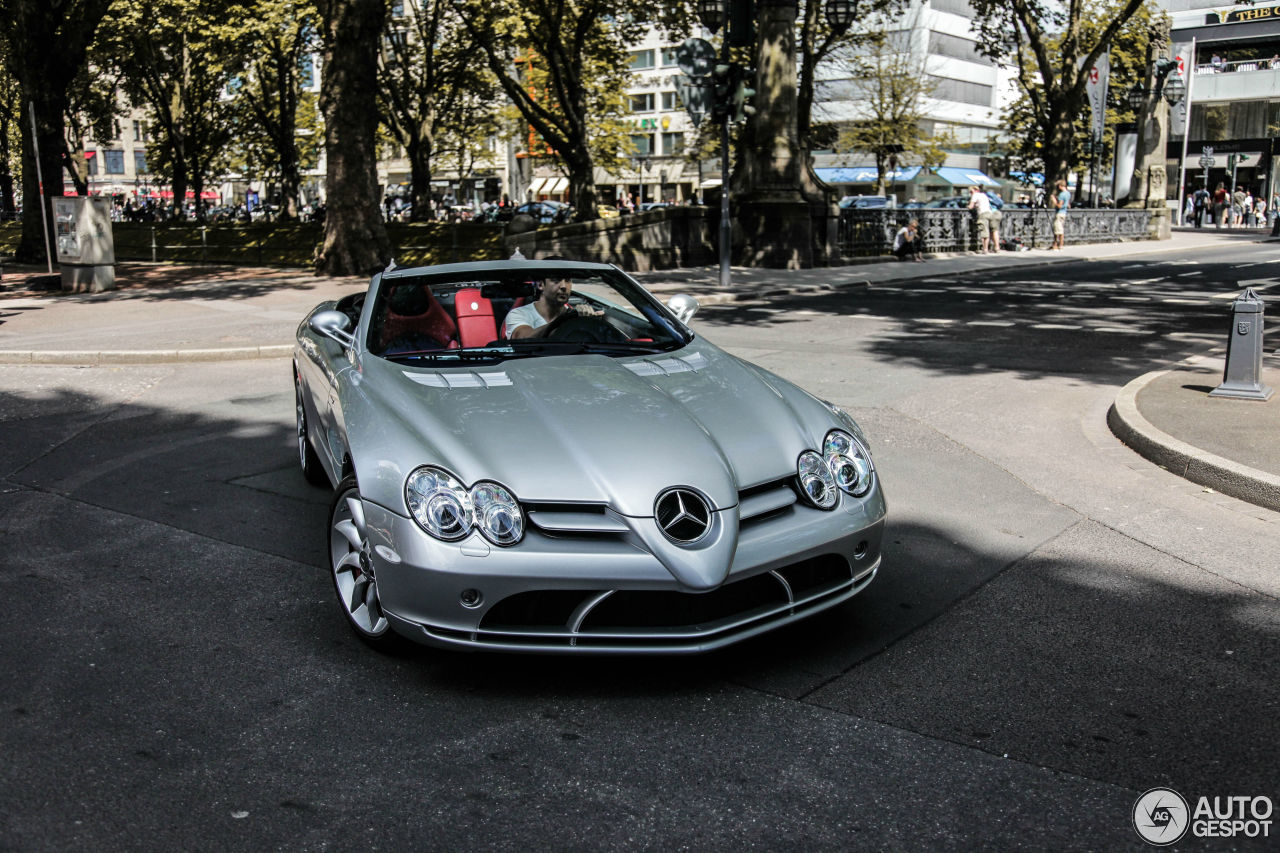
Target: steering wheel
(596,330)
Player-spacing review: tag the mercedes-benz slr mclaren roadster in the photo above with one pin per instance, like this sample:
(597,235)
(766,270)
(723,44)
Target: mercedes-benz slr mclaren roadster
(613,483)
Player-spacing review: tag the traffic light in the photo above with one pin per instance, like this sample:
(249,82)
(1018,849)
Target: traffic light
(722,90)
(742,94)
(1240,158)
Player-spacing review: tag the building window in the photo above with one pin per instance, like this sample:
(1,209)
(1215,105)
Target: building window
(642,103)
(139,161)
(955,7)
(113,162)
(673,143)
(91,160)
(671,101)
(642,143)
(307,72)
(960,91)
(669,56)
(942,44)
(641,59)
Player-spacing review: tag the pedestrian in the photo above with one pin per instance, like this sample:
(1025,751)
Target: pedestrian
(981,204)
(907,244)
(1061,201)
(1189,209)
(1259,211)
(1220,207)
(1203,201)
(1237,207)
(1248,208)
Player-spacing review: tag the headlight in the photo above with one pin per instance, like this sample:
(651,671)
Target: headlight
(439,503)
(448,510)
(816,480)
(497,514)
(849,462)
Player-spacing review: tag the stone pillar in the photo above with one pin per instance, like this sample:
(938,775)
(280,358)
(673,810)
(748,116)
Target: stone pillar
(773,185)
(1149,175)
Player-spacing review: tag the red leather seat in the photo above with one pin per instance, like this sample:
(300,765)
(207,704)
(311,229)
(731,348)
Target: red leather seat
(412,311)
(476,326)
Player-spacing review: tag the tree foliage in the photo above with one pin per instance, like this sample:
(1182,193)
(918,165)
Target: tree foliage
(890,87)
(565,65)
(437,99)
(176,58)
(1052,46)
(44,43)
(276,119)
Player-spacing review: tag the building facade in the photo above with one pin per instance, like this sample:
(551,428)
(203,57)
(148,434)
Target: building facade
(1233,96)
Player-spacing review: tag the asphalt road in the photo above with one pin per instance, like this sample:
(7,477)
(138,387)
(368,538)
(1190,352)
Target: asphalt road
(1058,625)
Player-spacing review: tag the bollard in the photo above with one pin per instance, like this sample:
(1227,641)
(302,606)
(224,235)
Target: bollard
(1242,378)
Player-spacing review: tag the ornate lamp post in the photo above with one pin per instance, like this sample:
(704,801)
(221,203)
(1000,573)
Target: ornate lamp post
(840,14)
(712,14)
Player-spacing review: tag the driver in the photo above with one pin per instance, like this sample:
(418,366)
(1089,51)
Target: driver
(541,317)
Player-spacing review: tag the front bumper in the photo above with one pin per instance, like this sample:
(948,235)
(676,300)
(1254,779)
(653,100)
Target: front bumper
(608,594)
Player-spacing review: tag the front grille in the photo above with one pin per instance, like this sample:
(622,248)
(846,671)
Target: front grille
(657,619)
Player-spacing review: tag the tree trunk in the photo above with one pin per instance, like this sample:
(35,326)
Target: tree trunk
(355,236)
(582,179)
(419,152)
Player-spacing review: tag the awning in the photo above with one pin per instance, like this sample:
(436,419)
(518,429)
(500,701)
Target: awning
(556,186)
(536,185)
(1192,163)
(711,183)
(965,177)
(1036,178)
(865,175)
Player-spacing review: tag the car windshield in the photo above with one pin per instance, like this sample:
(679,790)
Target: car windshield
(465,317)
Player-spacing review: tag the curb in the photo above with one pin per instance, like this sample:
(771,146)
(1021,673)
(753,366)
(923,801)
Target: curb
(77,357)
(1186,461)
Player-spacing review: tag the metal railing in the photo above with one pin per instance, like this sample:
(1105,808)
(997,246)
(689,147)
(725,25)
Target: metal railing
(870,233)
(1239,65)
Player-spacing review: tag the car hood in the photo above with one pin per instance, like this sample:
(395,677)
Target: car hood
(591,428)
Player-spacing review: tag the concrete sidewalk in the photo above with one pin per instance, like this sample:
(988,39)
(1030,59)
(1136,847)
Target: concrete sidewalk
(169,313)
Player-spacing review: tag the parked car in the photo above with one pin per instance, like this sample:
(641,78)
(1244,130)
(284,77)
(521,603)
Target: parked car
(962,201)
(621,485)
(547,212)
(606,211)
(861,202)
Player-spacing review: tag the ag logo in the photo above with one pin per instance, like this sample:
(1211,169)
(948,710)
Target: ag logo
(1160,816)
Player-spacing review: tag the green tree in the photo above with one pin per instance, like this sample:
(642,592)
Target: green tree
(10,138)
(430,84)
(1127,51)
(1052,46)
(355,236)
(176,58)
(565,65)
(44,48)
(890,85)
(275,116)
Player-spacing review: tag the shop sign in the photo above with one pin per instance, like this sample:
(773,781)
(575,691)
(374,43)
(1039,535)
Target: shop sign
(1242,16)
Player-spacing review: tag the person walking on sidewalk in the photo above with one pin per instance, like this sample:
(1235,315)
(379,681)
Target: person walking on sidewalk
(1061,201)
(1219,206)
(1203,200)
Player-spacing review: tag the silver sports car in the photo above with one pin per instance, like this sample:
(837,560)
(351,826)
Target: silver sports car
(606,482)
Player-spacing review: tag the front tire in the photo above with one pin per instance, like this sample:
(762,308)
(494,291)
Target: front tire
(351,566)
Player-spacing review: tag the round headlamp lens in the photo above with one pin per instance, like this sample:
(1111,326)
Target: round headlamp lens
(439,503)
(816,480)
(497,514)
(849,462)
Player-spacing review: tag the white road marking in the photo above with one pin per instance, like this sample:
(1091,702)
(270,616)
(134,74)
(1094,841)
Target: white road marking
(1000,323)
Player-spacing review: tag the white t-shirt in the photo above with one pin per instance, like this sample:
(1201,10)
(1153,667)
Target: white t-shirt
(979,202)
(525,315)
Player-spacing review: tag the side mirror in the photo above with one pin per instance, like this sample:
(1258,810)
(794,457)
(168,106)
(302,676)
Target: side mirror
(683,306)
(333,325)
